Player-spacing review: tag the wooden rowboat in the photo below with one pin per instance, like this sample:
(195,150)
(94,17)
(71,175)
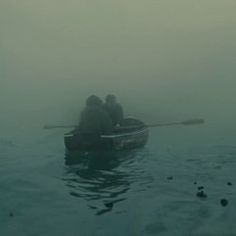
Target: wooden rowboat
(131,134)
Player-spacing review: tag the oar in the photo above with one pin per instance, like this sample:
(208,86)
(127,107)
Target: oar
(58,126)
(186,122)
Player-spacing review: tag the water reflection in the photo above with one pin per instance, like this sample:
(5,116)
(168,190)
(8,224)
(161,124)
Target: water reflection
(101,178)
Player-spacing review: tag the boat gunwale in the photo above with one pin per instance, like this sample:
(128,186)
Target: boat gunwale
(110,136)
(144,129)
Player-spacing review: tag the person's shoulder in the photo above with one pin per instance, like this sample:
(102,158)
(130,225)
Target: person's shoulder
(118,105)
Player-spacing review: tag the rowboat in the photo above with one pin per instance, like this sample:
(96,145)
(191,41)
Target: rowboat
(132,133)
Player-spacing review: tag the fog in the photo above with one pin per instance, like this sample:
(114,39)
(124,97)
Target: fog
(164,59)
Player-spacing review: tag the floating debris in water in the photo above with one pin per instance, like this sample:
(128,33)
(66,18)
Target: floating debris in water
(200,188)
(224,202)
(170,177)
(201,194)
(92,207)
(195,183)
(229,183)
(108,204)
(11,214)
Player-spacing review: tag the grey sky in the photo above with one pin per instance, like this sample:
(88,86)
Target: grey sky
(177,55)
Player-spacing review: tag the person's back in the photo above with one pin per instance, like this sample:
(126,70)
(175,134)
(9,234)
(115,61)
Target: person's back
(114,109)
(94,120)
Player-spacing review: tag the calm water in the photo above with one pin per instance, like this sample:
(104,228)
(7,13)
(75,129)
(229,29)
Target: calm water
(150,191)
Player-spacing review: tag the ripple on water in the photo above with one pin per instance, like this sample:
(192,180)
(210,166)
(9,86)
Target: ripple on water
(105,178)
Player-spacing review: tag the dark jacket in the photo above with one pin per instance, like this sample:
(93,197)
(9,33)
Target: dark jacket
(115,111)
(94,120)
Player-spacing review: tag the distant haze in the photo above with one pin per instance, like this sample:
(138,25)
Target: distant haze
(164,59)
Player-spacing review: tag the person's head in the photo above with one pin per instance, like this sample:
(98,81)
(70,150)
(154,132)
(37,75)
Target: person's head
(93,101)
(110,99)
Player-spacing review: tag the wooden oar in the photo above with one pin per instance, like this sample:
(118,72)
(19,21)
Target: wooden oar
(58,126)
(186,122)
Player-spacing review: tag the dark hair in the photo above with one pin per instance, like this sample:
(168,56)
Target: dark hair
(110,97)
(93,100)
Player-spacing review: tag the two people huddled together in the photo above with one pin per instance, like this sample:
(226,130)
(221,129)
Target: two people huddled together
(98,117)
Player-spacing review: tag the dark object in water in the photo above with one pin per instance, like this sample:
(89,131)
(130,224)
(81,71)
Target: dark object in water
(201,194)
(131,134)
(170,177)
(224,202)
(11,214)
(229,183)
(200,187)
(109,204)
(195,183)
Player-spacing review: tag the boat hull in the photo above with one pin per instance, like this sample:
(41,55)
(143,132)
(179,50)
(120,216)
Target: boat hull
(129,140)
(124,139)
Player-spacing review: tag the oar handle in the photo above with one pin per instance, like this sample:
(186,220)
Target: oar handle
(58,126)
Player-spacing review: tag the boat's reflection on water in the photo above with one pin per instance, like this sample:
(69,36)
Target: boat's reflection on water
(101,178)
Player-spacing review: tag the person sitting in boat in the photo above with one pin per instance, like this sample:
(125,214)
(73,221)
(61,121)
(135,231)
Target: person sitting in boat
(114,109)
(94,119)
